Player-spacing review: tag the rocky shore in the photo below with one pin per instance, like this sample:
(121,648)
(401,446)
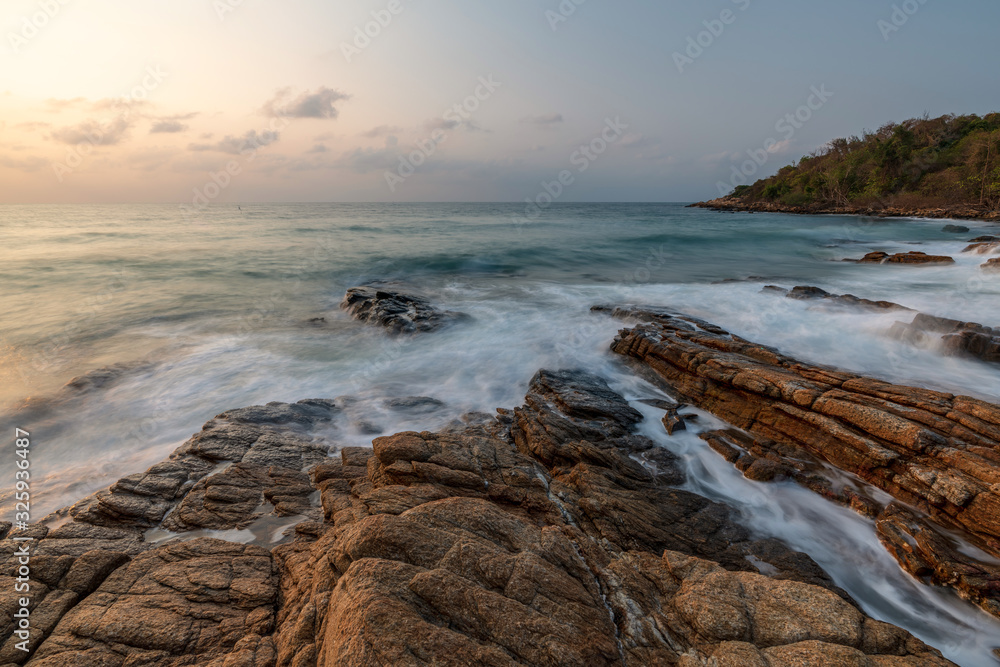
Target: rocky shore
(552,533)
(965,212)
(934,452)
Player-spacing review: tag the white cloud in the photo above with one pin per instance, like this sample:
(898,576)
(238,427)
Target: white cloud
(319,104)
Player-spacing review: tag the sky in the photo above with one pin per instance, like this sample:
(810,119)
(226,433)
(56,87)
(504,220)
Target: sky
(208,101)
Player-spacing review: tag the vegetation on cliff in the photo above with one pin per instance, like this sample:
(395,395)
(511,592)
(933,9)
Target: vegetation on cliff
(919,163)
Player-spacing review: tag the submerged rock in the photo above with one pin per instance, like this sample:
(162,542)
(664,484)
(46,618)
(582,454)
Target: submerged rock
(807,293)
(960,339)
(396,311)
(983,247)
(955,229)
(935,451)
(992,265)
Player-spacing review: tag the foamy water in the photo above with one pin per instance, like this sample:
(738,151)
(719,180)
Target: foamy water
(213,315)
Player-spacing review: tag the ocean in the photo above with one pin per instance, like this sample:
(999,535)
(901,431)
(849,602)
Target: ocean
(236,306)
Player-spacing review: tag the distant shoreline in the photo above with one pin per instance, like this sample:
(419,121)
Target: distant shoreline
(959,212)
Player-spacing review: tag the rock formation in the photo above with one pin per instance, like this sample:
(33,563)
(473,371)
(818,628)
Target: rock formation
(983,247)
(937,452)
(806,293)
(396,311)
(968,211)
(912,257)
(960,339)
(552,534)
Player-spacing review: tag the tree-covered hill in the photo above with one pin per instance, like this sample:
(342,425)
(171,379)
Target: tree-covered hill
(917,164)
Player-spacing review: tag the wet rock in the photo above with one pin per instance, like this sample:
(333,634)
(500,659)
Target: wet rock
(414,405)
(960,339)
(583,396)
(104,377)
(955,229)
(983,248)
(927,554)
(934,451)
(808,293)
(762,459)
(396,311)
(365,427)
(912,257)
(805,292)
(992,265)
(261,443)
(985,239)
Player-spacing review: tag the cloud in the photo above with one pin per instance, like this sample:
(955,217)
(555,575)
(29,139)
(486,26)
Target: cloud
(318,148)
(167,126)
(33,125)
(239,145)
(171,124)
(380,131)
(448,125)
(545,120)
(647,148)
(56,105)
(319,104)
(103,133)
(151,159)
(23,164)
(365,160)
(122,105)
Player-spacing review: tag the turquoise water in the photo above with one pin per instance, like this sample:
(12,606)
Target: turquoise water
(213,313)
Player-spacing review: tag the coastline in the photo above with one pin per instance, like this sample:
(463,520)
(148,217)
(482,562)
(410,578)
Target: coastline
(959,212)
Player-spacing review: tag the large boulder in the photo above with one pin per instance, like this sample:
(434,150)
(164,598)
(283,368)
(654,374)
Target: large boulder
(396,311)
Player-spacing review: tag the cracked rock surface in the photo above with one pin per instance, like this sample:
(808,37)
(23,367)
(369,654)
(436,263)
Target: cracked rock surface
(552,534)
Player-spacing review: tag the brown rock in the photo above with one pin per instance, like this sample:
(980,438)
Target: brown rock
(204,599)
(912,257)
(934,451)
